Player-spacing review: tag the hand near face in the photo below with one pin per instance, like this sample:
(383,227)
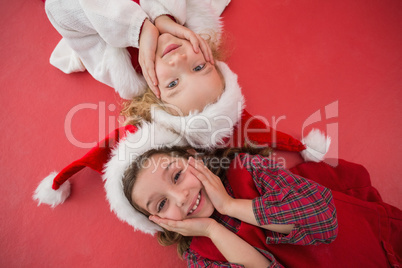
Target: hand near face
(146,56)
(188,227)
(167,25)
(213,185)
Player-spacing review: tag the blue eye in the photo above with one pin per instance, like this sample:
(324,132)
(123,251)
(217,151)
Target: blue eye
(173,83)
(177,176)
(199,67)
(161,205)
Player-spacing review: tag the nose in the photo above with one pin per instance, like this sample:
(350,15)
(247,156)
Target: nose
(177,59)
(181,197)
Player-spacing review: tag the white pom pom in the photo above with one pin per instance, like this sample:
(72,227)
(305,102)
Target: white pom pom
(317,145)
(45,194)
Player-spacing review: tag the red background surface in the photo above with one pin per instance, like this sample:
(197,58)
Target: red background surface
(293,58)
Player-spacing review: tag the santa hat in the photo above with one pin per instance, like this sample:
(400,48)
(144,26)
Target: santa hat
(55,188)
(148,136)
(114,155)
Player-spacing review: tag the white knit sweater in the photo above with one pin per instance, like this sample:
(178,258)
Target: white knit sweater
(96,33)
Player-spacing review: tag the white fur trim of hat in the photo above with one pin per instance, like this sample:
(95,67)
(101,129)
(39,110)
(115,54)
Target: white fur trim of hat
(148,136)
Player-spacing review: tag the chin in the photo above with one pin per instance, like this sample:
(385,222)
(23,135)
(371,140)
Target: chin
(166,38)
(209,210)
(163,39)
(163,36)
(209,213)
(205,213)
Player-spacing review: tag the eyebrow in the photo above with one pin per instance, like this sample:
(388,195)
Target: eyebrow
(164,172)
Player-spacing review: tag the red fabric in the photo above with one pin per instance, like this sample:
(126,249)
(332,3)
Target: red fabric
(171,17)
(251,130)
(134,59)
(95,158)
(369,232)
(349,178)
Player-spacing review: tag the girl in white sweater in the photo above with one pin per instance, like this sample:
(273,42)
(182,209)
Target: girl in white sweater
(97,33)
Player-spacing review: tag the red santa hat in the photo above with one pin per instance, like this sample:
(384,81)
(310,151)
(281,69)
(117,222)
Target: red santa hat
(113,155)
(55,188)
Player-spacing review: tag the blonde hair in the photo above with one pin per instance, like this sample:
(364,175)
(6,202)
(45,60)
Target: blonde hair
(168,238)
(139,108)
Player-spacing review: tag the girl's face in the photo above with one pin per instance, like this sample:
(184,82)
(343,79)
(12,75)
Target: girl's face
(186,81)
(166,187)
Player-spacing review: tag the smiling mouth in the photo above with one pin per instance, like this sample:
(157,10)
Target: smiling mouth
(170,48)
(195,205)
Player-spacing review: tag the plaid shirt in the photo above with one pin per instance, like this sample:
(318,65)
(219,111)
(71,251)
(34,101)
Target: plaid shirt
(284,198)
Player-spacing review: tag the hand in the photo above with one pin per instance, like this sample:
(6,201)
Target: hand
(213,186)
(146,56)
(167,25)
(188,227)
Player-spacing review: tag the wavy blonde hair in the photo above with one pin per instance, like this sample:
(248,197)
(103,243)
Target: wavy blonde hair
(139,108)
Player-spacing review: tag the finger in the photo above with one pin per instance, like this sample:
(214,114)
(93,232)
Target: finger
(154,86)
(197,164)
(200,173)
(166,226)
(174,227)
(197,171)
(192,162)
(210,52)
(206,50)
(151,82)
(151,72)
(163,222)
(148,80)
(200,176)
(195,42)
(204,174)
(157,92)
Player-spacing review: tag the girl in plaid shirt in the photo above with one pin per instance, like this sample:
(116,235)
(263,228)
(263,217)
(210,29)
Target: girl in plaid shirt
(225,220)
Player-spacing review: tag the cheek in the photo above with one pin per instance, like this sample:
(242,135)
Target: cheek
(161,71)
(173,213)
(189,101)
(177,106)
(199,100)
(208,93)
(209,208)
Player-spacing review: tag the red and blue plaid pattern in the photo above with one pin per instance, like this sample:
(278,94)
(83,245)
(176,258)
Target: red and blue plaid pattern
(290,199)
(195,260)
